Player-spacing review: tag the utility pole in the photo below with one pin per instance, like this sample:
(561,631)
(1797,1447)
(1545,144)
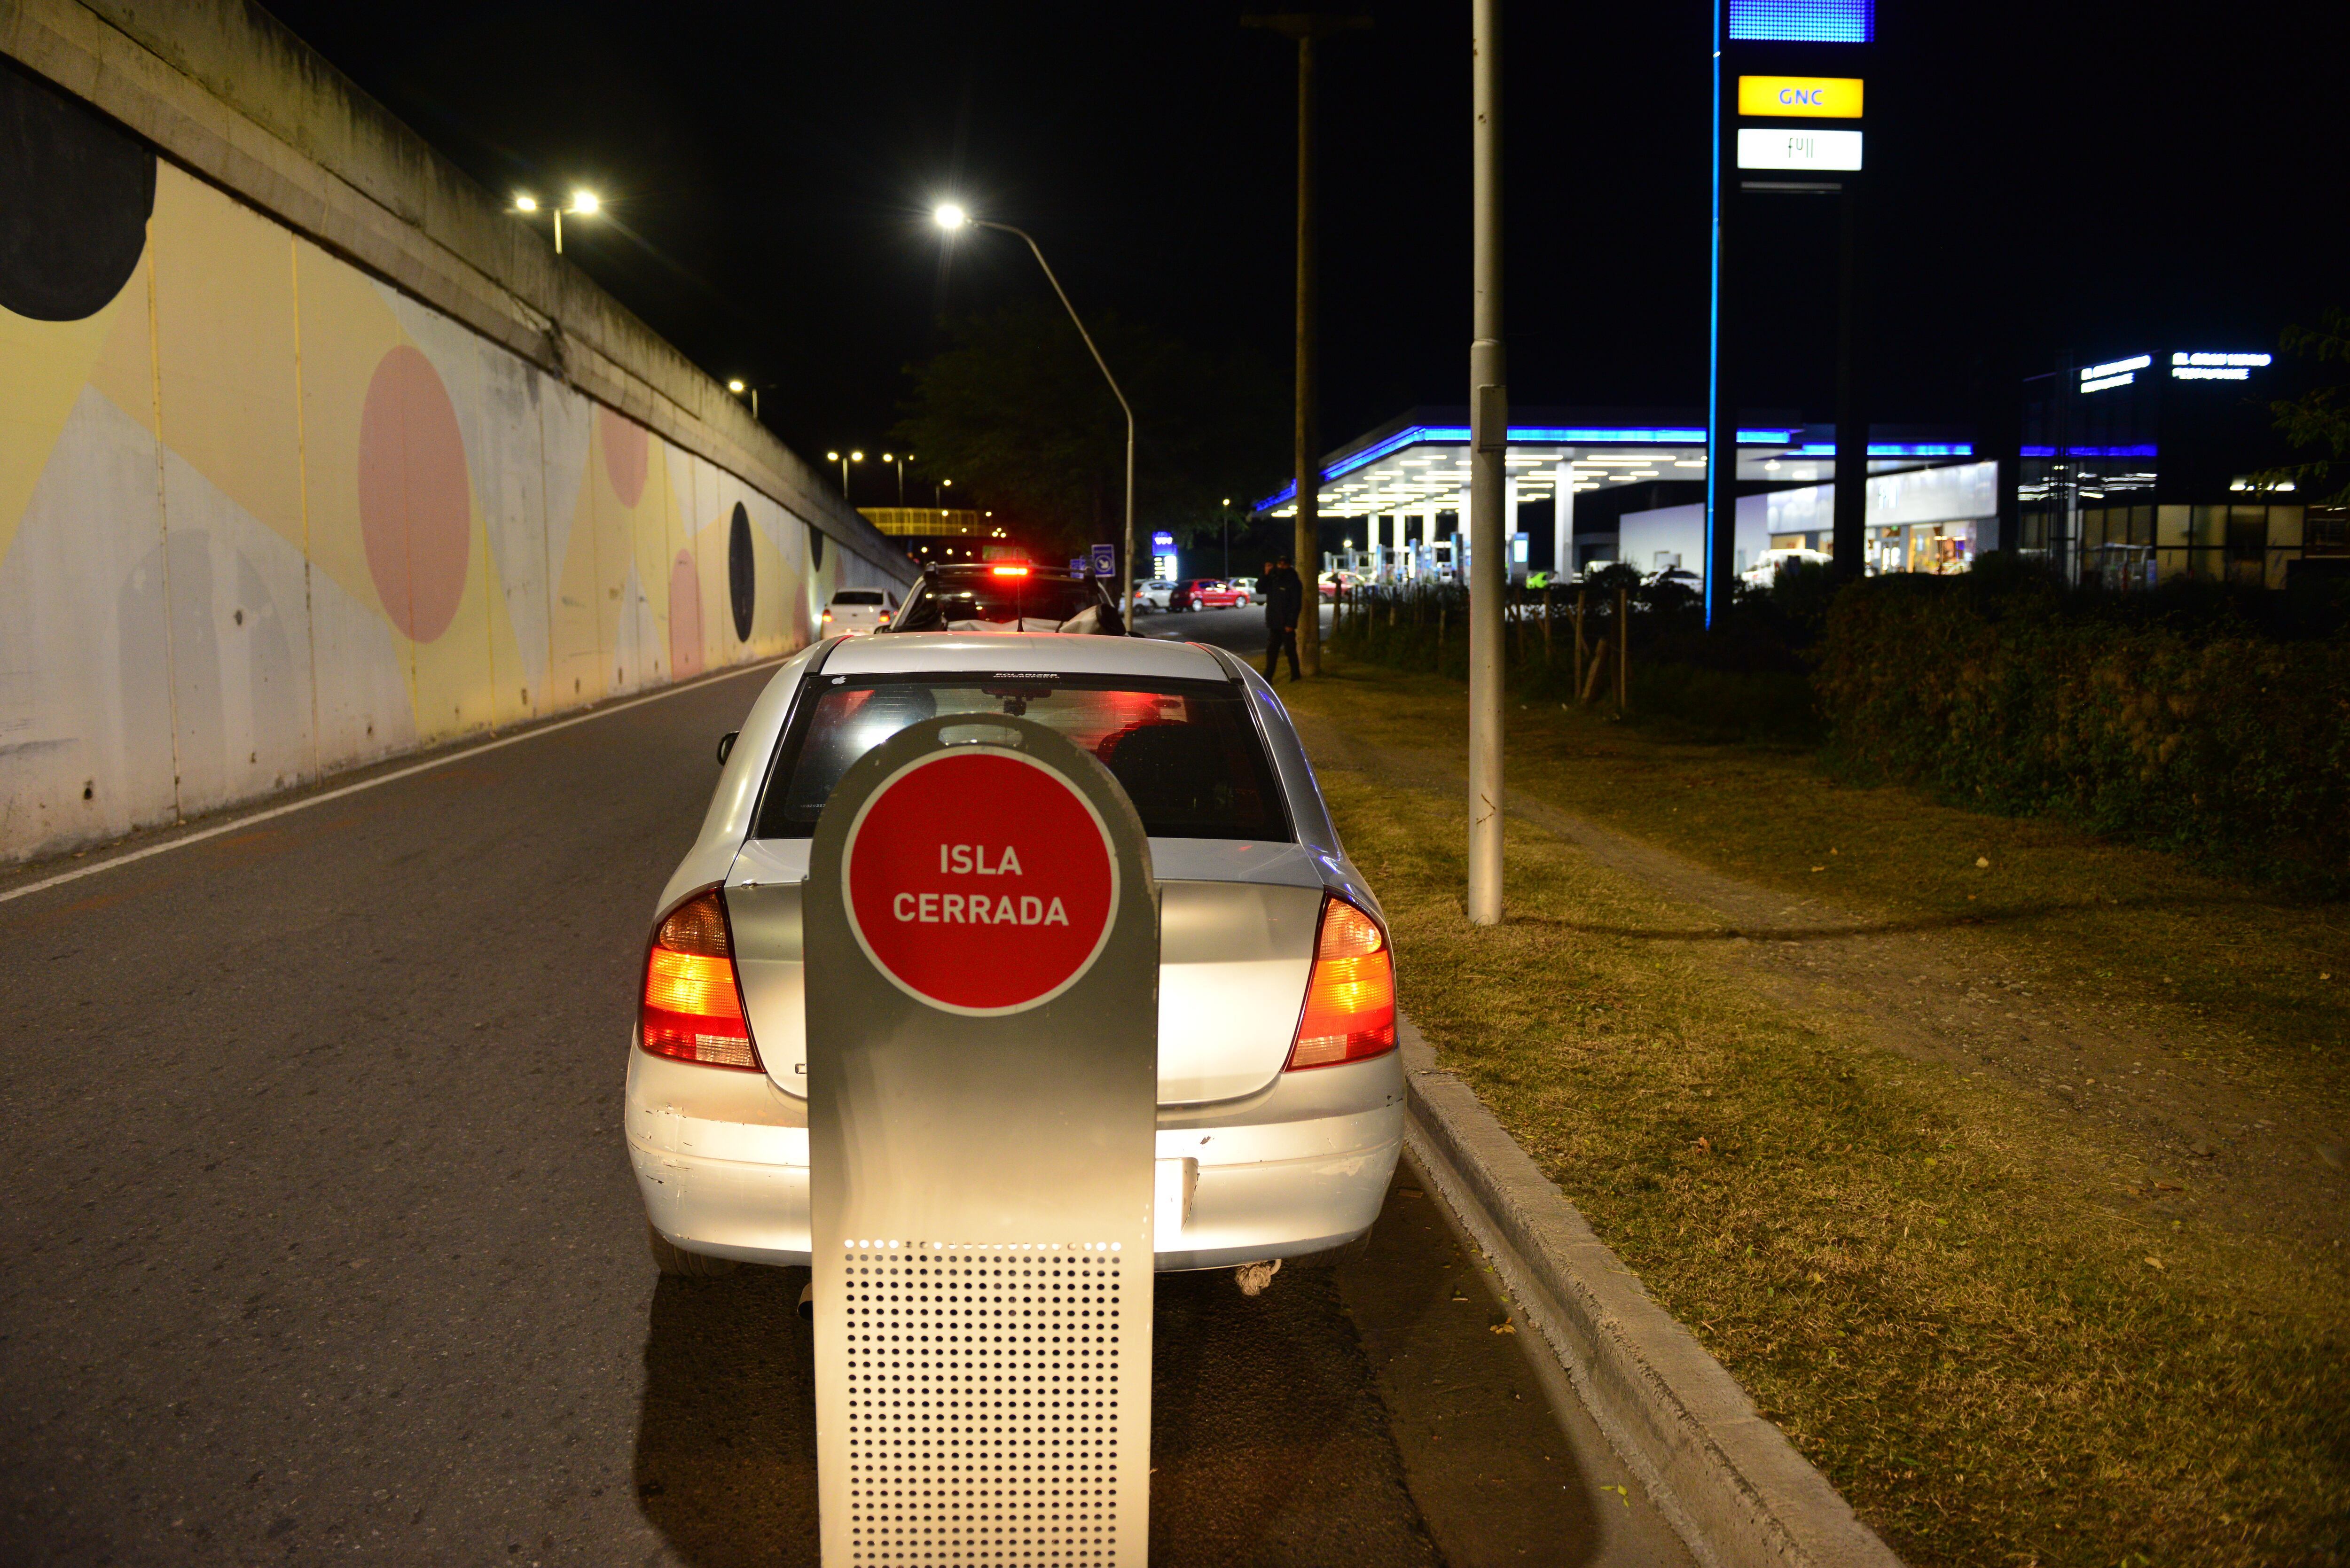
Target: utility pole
(1306,28)
(1848,556)
(1489,436)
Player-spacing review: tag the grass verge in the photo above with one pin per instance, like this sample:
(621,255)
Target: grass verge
(1914,1277)
(2264,980)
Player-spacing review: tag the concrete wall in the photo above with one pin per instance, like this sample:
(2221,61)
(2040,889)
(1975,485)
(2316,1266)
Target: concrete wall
(267,512)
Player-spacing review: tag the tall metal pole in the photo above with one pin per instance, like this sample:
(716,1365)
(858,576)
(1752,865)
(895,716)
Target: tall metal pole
(1489,437)
(1720,442)
(1307,433)
(1126,584)
(1851,516)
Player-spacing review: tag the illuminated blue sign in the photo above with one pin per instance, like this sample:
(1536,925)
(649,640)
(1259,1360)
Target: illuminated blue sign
(1804,21)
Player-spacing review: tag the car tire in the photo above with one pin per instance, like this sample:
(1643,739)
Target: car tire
(676,1261)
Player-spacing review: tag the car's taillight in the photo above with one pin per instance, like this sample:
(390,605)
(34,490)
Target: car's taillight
(692,1009)
(885,618)
(828,615)
(1350,995)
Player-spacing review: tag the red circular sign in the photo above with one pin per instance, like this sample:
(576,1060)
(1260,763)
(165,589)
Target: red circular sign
(980,880)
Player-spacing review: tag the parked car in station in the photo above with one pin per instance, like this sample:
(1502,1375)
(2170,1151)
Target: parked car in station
(1205,593)
(1158,594)
(1766,571)
(1279,1089)
(856,610)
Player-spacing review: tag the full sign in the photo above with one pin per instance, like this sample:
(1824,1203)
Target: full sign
(1105,560)
(1782,147)
(982,942)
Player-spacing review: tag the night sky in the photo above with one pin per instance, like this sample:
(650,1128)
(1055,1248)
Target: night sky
(2064,178)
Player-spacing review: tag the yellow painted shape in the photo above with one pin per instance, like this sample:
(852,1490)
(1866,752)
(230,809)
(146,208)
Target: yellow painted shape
(346,329)
(44,365)
(224,347)
(1800,97)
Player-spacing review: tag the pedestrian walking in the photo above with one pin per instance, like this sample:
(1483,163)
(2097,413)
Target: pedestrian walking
(1284,597)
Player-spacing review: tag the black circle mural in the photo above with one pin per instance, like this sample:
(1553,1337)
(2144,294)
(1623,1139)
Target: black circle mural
(75,191)
(816,548)
(742,572)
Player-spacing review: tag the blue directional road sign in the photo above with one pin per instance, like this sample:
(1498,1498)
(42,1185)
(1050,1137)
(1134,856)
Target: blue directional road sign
(1105,560)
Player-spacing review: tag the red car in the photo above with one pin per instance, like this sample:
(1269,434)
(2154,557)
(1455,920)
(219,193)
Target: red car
(1207,593)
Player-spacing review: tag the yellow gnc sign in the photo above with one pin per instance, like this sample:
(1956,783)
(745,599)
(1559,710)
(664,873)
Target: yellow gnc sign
(1810,97)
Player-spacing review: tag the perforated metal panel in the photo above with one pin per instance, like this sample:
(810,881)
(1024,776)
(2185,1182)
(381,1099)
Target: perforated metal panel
(984,1414)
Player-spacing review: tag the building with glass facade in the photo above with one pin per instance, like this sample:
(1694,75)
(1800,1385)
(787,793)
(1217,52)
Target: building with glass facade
(2141,468)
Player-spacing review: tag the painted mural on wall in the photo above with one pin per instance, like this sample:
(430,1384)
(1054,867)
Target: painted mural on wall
(263,517)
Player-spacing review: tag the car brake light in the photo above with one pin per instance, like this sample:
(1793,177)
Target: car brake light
(1009,571)
(1350,995)
(692,1007)
(828,615)
(885,618)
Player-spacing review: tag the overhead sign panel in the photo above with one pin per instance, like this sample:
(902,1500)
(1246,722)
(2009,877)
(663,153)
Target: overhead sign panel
(1803,21)
(1805,98)
(1768,147)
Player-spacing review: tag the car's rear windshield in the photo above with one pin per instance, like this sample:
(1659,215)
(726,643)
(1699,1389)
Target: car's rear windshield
(857,596)
(1026,602)
(1184,751)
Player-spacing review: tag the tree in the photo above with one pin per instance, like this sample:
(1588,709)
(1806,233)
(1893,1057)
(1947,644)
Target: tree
(2318,418)
(1015,411)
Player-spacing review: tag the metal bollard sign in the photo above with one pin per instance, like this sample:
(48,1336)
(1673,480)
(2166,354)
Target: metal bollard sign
(982,931)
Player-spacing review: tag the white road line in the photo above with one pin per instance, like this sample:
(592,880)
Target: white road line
(92,869)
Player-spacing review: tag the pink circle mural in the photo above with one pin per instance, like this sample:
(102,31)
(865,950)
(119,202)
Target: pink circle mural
(626,455)
(684,619)
(416,510)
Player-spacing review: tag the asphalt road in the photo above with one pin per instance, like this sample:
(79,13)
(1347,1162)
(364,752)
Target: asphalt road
(1240,629)
(321,1240)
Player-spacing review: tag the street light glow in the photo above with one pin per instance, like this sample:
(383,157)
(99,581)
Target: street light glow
(832,457)
(525,203)
(856,457)
(585,203)
(950,216)
(735,387)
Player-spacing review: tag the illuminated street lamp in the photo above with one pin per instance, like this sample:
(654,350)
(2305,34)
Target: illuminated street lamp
(741,387)
(844,460)
(950,216)
(584,205)
(901,460)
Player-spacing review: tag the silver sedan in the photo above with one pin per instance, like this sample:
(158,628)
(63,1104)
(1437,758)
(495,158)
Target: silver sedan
(1280,1092)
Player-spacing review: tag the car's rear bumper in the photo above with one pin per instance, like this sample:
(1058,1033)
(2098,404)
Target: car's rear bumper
(1300,1167)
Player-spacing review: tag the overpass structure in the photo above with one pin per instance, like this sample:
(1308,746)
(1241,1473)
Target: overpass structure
(310,455)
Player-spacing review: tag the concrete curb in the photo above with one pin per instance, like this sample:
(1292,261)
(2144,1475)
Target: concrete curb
(1728,1482)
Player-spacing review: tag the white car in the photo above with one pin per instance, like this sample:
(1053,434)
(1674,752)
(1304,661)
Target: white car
(1280,1091)
(855,610)
(1766,571)
(1155,594)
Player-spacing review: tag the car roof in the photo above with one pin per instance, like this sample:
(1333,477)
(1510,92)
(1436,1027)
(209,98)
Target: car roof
(1058,653)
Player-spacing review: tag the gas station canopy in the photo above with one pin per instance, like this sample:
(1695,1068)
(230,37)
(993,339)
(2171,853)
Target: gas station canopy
(1420,463)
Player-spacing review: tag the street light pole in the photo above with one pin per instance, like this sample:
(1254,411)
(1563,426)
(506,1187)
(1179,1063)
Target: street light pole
(1490,440)
(1306,433)
(584,203)
(951,217)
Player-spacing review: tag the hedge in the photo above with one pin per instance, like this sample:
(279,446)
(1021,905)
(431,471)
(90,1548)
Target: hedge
(2213,740)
